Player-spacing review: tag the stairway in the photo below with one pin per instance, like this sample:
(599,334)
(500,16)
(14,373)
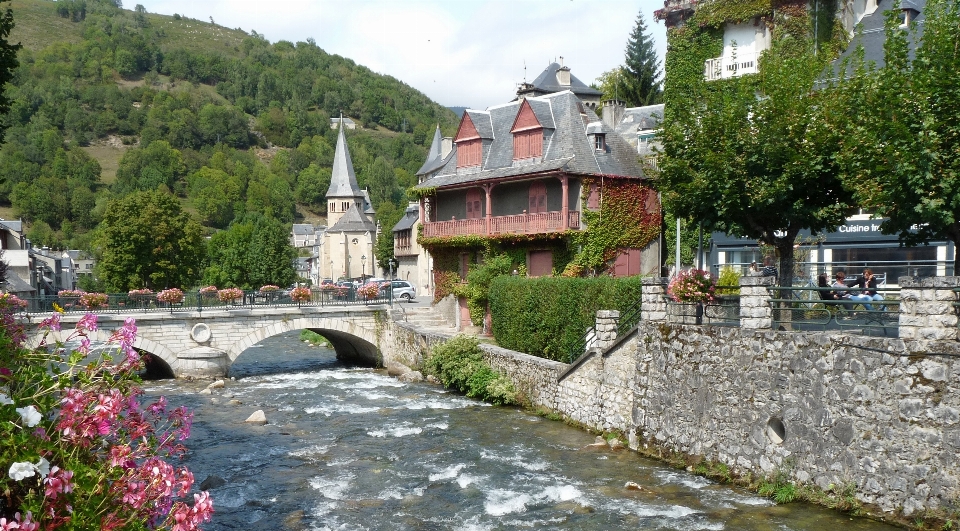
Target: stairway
(426,317)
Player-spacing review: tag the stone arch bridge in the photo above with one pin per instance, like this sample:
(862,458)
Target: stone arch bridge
(205,344)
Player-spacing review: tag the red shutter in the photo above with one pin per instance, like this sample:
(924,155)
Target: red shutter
(469,153)
(538,197)
(473,204)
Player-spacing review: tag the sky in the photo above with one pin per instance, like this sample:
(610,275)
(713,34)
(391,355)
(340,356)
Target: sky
(470,53)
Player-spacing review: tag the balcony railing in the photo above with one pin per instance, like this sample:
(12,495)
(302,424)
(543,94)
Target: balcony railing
(726,67)
(542,222)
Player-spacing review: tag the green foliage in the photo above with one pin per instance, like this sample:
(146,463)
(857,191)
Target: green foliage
(642,67)
(459,364)
(8,60)
(547,316)
(629,217)
(478,283)
(752,156)
(388,215)
(254,251)
(728,277)
(146,240)
(900,154)
(312,337)
(779,488)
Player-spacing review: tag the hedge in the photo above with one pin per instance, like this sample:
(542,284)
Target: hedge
(548,316)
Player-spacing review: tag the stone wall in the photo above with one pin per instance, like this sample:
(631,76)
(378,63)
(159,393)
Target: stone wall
(828,409)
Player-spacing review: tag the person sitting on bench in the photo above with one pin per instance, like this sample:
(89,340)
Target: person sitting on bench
(842,294)
(868,290)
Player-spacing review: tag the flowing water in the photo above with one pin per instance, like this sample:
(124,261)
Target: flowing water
(352,448)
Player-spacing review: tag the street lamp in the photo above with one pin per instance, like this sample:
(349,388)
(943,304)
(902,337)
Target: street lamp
(393,264)
(363,268)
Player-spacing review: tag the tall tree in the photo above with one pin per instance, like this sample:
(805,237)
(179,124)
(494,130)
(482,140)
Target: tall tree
(8,61)
(903,156)
(642,68)
(147,240)
(756,156)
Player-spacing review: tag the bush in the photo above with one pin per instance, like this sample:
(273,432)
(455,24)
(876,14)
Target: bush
(695,285)
(548,316)
(459,364)
(729,282)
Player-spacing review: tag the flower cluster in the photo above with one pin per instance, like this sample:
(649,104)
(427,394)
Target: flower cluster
(92,301)
(208,290)
(83,451)
(269,288)
(300,294)
(172,295)
(230,294)
(11,300)
(695,285)
(140,292)
(70,293)
(369,291)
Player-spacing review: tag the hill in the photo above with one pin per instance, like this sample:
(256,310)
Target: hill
(109,101)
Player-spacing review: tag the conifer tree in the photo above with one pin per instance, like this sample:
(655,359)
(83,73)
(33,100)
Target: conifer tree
(8,60)
(642,85)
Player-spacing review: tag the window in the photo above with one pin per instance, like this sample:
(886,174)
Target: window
(473,204)
(528,144)
(599,142)
(593,199)
(469,153)
(538,197)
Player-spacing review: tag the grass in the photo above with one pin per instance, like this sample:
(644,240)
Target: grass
(36,21)
(109,158)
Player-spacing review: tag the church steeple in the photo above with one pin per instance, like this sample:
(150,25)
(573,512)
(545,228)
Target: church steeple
(344,190)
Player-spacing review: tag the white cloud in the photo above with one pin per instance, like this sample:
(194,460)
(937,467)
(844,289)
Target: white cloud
(458,52)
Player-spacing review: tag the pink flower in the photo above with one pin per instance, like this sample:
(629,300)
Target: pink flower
(59,481)
(88,323)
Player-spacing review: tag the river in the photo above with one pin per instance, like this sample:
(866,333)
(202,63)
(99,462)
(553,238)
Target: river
(350,448)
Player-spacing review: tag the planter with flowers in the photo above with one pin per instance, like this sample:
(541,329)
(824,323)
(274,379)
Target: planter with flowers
(172,296)
(301,294)
(69,297)
(689,290)
(230,295)
(369,291)
(141,297)
(93,301)
(268,293)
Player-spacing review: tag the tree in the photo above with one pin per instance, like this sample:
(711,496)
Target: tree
(756,156)
(147,240)
(8,61)
(252,252)
(901,158)
(387,215)
(642,84)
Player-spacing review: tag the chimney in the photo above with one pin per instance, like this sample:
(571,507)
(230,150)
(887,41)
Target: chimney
(446,146)
(563,76)
(612,112)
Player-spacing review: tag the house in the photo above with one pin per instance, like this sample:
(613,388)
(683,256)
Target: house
(639,126)
(557,78)
(346,246)
(347,123)
(303,235)
(527,176)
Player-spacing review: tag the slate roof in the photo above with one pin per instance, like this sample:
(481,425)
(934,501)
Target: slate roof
(15,284)
(434,155)
(636,119)
(343,181)
(566,145)
(872,35)
(409,219)
(303,228)
(16,226)
(353,221)
(547,82)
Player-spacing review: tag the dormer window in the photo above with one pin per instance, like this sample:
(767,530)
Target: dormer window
(527,134)
(469,144)
(600,142)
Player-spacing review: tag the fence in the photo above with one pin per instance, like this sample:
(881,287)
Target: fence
(197,301)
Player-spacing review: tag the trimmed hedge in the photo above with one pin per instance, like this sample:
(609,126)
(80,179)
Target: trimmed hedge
(548,316)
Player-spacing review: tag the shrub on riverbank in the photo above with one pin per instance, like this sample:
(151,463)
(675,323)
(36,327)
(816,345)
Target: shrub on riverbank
(459,364)
(547,316)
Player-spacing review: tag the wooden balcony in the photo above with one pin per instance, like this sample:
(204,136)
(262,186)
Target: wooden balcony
(540,223)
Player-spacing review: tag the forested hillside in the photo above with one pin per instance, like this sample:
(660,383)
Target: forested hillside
(107,102)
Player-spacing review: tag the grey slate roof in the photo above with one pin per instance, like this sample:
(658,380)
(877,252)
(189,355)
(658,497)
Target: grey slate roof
(481,120)
(15,284)
(434,158)
(16,226)
(409,219)
(636,119)
(566,146)
(547,82)
(353,221)
(303,228)
(343,181)
(872,35)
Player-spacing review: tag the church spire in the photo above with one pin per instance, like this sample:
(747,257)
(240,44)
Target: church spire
(343,181)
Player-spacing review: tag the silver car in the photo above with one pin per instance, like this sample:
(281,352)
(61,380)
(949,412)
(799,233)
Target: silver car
(404,290)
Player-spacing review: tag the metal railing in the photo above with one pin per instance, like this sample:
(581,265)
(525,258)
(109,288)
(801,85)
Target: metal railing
(629,318)
(808,308)
(195,301)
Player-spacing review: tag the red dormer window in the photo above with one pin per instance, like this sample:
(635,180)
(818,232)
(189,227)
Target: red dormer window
(527,134)
(469,144)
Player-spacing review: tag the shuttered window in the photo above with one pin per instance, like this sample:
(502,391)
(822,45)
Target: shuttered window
(528,144)
(469,153)
(538,197)
(473,205)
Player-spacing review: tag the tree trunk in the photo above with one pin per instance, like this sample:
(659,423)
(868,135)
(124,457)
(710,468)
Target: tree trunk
(956,256)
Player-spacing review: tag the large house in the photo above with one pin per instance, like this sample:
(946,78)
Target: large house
(557,78)
(526,176)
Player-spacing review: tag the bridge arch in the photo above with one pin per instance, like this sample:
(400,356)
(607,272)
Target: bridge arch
(101,336)
(352,342)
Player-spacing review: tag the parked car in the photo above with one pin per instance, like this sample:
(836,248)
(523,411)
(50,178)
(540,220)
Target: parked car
(326,282)
(404,290)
